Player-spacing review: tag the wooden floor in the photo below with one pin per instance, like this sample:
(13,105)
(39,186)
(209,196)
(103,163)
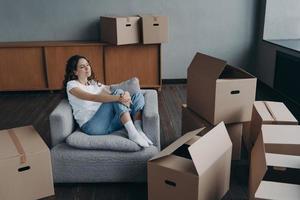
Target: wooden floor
(33,108)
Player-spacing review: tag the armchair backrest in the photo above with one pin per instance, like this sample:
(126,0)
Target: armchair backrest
(62,123)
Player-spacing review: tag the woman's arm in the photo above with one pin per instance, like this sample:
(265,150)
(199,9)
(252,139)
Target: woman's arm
(103,96)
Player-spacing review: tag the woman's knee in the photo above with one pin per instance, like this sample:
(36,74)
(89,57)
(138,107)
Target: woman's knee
(138,95)
(138,99)
(120,108)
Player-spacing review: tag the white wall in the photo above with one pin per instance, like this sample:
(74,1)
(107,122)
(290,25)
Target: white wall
(224,29)
(282,19)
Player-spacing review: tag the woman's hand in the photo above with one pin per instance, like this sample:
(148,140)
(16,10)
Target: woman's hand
(125,99)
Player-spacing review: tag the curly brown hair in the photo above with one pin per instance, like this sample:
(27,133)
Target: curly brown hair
(71,67)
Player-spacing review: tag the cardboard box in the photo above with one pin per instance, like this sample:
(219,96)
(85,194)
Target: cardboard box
(25,165)
(275,190)
(154,29)
(219,92)
(275,154)
(120,30)
(199,171)
(268,112)
(191,121)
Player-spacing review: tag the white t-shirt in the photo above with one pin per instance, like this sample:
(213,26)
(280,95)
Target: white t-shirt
(83,110)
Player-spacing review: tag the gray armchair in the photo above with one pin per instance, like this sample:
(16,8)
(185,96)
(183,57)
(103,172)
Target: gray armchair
(80,165)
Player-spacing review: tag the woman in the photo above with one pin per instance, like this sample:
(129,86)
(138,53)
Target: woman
(97,110)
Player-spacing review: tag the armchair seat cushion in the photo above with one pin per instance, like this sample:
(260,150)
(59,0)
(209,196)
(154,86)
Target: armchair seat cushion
(73,165)
(117,141)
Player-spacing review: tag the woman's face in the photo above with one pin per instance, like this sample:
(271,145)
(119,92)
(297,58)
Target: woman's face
(83,69)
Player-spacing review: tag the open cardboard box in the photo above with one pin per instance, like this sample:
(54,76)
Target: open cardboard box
(267,112)
(154,29)
(219,92)
(191,121)
(120,30)
(275,163)
(25,165)
(192,168)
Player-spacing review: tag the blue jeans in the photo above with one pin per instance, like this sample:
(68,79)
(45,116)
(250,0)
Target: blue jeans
(107,119)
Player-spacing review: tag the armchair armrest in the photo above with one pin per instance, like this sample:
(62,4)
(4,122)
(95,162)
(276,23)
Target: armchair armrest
(151,123)
(61,122)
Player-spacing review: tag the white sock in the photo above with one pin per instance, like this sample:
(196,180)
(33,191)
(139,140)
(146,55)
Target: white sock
(138,126)
(134,135)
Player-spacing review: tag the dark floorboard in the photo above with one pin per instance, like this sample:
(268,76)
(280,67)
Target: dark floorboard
(33,108)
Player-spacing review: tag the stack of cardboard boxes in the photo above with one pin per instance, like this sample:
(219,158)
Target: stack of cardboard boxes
(274,143)
(275,163)
(199,167)
(146,29)
(218,92)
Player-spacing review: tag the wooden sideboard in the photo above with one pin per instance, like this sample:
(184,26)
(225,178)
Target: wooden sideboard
(28,66)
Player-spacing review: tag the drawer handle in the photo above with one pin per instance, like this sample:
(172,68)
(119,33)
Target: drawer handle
(155,24)
(128,24)
(24,168)
(235,92)
(171,183)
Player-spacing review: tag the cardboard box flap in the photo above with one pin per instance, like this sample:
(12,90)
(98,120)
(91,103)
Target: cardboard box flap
(175,145)
(279,111)
(28,138)
(193,140)
(206,67)
(263,111)
(280,160)
(177,163)
(258,165)
(210,148)
(274,190)
(231,73)
(281,134)
(243,72)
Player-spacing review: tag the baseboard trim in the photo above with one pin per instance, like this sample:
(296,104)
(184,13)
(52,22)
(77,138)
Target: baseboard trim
(174,81)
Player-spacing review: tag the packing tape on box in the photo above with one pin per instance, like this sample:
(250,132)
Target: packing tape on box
(270,110)
(18,145)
